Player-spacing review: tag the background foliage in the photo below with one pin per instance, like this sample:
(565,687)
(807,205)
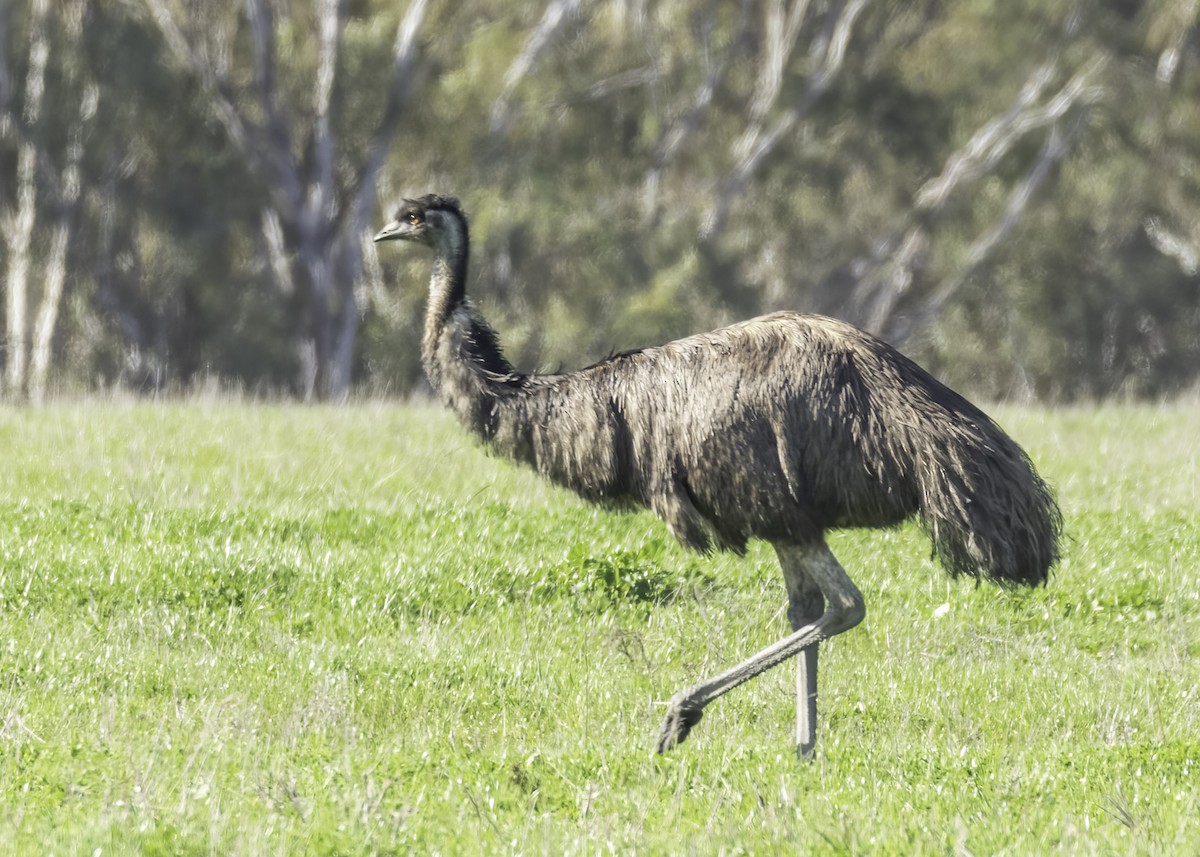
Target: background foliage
(1006,190)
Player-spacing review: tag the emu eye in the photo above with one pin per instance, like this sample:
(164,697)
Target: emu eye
(414,218)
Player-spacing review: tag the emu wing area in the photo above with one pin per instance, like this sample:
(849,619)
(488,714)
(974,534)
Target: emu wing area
(775,428)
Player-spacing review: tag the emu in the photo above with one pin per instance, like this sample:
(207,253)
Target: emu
(779,428)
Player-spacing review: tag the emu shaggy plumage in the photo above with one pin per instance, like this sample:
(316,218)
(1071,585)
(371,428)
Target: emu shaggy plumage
(777,428)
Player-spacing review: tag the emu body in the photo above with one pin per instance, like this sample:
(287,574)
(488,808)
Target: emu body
(778,428)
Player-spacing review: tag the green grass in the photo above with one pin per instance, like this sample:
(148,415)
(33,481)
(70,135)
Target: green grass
(279,630)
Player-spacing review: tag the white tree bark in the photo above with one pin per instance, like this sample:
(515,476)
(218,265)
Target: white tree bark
(677,132)
(893,275)
(1180,19)
(69,192)
(557,14)
(827,52)
(56,263)
(21,232)
(1057,146)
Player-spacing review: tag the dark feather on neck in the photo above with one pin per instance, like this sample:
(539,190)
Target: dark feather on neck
(483,348)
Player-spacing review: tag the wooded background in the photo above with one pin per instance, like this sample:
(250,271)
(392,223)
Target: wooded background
(1006,189)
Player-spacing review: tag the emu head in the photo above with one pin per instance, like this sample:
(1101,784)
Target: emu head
(435,221)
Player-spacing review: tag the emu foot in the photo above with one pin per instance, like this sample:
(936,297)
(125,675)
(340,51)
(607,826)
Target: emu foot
(677,724)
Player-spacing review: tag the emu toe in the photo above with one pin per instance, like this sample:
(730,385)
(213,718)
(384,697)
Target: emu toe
(676,725)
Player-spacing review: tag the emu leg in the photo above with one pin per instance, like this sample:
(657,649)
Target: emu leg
(845,610)
(806,702)
(805,605)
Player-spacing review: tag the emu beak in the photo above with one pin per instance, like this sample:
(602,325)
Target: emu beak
(388,233)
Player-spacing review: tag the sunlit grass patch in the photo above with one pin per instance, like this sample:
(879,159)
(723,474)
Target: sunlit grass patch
(237,629)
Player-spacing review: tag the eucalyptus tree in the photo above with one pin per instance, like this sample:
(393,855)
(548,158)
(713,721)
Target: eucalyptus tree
(272,73)
(48,134)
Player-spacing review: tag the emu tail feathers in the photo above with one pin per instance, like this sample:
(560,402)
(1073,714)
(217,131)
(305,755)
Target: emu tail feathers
(986,509)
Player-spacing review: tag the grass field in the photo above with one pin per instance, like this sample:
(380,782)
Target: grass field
(244,629)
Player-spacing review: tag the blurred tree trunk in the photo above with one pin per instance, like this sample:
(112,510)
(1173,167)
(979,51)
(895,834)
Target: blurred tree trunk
(316,223)
(18,227)
(56,261)
(39,182)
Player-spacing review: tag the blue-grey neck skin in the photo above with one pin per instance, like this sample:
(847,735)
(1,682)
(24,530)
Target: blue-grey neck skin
(447,285)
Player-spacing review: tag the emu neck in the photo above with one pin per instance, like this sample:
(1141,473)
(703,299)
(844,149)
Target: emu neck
(459,351)
(447,287)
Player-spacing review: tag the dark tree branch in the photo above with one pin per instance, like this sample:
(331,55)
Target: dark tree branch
(6,87)
(276,131)
(267,153)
